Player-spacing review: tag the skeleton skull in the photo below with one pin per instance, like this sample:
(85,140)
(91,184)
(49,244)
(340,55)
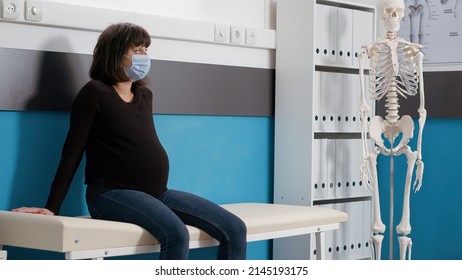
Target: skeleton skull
(391,11)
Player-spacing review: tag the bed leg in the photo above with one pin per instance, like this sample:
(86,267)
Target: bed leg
(320,245)
(2,253)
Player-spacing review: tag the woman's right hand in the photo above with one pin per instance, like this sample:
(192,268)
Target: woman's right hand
(33,210)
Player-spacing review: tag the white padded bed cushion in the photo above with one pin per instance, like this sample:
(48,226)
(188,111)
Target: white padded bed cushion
(65,234)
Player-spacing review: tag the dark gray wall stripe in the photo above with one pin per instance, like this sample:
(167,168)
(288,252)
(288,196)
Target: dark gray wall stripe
(443,97)
(192,88)
(48,81)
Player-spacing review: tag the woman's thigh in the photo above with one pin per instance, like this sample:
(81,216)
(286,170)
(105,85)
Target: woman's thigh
(141,209)
(204,214)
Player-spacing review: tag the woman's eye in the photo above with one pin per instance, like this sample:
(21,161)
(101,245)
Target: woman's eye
(140,51)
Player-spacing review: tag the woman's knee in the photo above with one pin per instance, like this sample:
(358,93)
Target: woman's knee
(180,236)
(174,244)
(236,228)
(236,240)
(175,233)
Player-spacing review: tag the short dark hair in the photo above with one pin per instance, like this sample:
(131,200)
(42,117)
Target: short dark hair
(112,44)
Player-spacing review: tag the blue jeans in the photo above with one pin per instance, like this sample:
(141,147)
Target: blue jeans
(165,218)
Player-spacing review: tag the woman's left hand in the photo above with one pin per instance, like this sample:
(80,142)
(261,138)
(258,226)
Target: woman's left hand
(33,210)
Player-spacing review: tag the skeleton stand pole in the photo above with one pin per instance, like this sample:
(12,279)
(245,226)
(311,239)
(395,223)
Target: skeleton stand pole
(392,191)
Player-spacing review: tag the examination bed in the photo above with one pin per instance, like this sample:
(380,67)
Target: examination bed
(86,238)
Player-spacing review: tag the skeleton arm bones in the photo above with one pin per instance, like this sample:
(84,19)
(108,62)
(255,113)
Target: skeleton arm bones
(422,118)
(364,111)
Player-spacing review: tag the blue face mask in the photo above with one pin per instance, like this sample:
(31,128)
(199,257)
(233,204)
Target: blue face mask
(141,63)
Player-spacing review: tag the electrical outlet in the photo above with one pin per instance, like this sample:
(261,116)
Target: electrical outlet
(250,36)
(236,34)
(33,10)
(221,32)
(10,9)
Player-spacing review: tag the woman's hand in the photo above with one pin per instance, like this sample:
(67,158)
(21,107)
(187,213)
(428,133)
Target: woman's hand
(33,210)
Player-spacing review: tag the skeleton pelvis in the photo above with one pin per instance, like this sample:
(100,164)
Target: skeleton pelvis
(380,127)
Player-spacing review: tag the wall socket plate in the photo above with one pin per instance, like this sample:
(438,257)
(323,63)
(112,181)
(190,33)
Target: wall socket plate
(34,11)
(236,34)
(10,9)
(221,32)
(250,36)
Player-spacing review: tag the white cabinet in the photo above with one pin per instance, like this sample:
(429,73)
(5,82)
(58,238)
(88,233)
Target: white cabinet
(317,123)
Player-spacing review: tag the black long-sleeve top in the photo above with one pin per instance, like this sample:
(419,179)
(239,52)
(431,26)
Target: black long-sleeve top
(120,144)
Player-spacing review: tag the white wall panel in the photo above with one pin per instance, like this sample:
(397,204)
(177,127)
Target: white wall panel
(73,26)
(243,12)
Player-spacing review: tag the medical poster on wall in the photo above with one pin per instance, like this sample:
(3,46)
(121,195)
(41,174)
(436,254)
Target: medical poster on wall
(437,25)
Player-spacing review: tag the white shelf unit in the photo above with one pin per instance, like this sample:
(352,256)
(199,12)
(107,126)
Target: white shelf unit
(317,121)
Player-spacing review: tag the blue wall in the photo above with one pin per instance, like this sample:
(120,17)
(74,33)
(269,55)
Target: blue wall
(436,208)
(225,159)
(230,159)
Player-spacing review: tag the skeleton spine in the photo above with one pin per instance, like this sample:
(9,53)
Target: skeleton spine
(392,103)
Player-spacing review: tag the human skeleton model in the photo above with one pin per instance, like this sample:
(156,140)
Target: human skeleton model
(395,70)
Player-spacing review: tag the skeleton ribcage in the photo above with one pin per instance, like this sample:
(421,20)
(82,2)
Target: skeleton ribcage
(381,73)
